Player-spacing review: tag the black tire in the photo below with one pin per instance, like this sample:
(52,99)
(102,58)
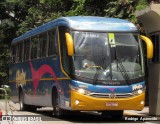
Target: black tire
(23,106)
(31,108)
(57,111)
(117,114)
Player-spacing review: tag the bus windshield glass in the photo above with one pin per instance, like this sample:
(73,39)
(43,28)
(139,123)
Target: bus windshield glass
(97,56)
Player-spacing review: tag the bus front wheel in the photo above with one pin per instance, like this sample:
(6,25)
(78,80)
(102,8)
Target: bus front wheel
(57,111)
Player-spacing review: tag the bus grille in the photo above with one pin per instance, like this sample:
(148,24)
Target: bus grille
(106,95)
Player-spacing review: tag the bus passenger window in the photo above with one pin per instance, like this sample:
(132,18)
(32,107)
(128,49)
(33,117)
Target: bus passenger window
(52,43)
(42,44)
(26,49)
(34,47)
(19,52)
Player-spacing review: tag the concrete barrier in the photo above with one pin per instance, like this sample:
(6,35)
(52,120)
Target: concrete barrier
(154,89)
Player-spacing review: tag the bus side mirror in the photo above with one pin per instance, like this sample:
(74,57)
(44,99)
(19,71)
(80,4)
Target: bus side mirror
(69,42)
(149,46)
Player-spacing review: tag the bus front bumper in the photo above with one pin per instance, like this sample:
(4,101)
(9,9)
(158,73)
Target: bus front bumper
(88,103)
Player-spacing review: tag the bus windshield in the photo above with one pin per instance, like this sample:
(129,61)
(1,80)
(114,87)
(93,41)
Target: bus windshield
(97,57)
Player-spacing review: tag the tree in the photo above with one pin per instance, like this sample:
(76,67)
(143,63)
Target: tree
(6,29)
(30,14)
(43,11)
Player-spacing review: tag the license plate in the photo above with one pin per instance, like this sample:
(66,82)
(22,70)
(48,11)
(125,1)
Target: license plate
(112,104)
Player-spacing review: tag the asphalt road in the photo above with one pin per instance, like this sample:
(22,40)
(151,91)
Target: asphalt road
(45,114)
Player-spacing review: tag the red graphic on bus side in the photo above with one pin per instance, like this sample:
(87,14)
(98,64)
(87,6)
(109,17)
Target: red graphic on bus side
(37,74)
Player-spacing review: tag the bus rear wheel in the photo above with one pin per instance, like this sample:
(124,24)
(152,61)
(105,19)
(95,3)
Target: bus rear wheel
(23,106)
(118,114)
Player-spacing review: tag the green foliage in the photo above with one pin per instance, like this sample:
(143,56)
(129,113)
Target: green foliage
(6,35)
(122,9)
(78,8)
(4,60)
(142,4)
(30,14)
(42,12)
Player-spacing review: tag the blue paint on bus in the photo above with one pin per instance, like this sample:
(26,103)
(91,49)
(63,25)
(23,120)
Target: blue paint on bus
(89,23)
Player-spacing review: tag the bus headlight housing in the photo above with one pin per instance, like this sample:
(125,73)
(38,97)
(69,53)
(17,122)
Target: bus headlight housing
(80,90)
(83,91)
(138,92)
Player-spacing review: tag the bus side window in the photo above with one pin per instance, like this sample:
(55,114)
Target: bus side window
(34,47)
(19,52)
(51,42)
(42,44)
(26,49)
(16,55)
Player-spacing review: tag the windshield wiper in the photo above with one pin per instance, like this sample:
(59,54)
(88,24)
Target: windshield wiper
(123,70)
(98,71)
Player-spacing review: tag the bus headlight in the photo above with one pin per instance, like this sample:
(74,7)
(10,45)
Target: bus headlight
(142,102)
(76,102)
(80,90)
(139,91)
(83,91)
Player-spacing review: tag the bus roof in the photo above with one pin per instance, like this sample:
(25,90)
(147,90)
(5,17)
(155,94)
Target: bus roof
(86,23)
